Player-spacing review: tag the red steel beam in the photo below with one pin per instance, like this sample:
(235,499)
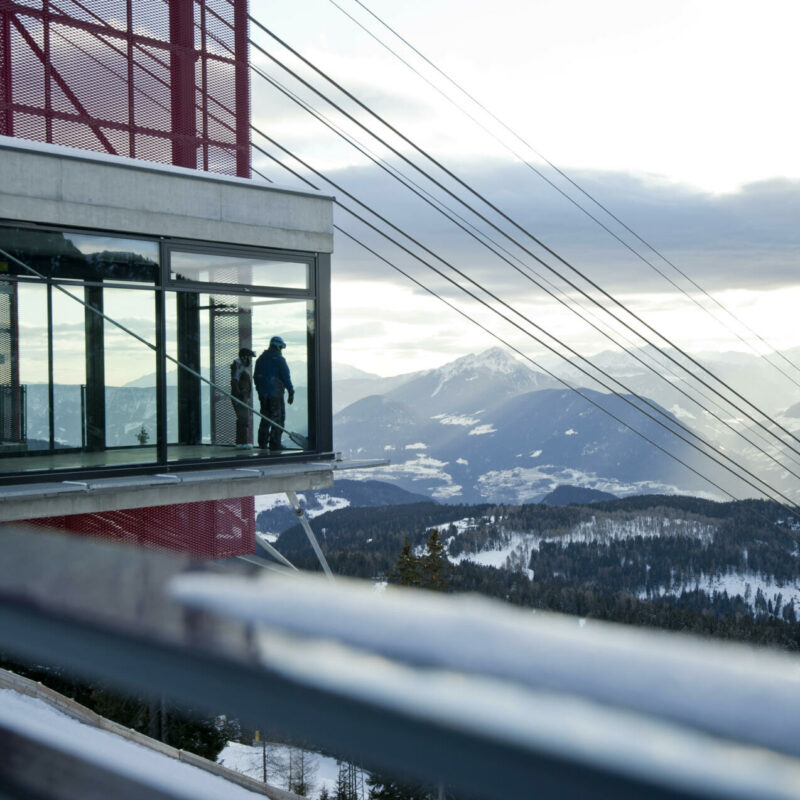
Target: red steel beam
(182,83)
(240,23)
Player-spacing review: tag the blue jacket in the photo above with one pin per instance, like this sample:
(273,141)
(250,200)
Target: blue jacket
(271,375)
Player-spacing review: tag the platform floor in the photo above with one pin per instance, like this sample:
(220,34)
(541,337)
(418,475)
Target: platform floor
(35,461)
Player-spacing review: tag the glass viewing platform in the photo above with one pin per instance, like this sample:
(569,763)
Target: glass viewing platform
(116,346)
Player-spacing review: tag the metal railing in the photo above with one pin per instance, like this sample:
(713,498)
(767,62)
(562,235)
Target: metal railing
(486,700)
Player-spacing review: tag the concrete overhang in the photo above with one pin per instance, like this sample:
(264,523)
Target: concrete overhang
(63,498)
(57,185)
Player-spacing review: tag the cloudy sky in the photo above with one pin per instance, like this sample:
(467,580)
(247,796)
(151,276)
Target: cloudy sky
(679,116)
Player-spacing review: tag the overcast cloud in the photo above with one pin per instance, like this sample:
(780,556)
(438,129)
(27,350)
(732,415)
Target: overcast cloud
(674,116)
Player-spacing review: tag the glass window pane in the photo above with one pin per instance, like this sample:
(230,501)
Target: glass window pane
(78,256)
(130,375)
(24,396)
(69,371)
(238,270)
(100,407)
(204,334)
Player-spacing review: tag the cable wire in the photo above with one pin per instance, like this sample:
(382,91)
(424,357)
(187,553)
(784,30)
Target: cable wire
(592,283)
(572,181)
(448,212)
(542,342)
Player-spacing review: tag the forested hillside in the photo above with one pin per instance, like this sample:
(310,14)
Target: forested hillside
(683,563)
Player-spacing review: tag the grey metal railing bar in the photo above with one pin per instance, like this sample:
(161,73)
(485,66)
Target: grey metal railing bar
(101,610)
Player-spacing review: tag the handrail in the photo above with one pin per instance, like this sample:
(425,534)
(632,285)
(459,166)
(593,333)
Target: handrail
(492,701)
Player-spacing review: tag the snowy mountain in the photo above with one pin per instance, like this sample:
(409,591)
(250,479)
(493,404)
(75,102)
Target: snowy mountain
(487,428)
(473,378)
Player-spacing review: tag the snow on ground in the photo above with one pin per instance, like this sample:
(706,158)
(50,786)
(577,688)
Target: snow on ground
(326,503)
(528,484)
(266,502)
(457,419)
(513,552)
(745,584)
(603,529)
(482,430)
(423,467)
(461,525)
(444,493)
(249,760)
(681,413)
(35,718)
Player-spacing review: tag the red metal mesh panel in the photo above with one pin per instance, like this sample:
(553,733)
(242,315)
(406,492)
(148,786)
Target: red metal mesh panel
(121,76)
(209,530)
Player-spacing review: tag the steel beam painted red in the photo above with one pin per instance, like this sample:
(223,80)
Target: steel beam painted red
(6,94)
(211,529)
(240,23)
(181,67)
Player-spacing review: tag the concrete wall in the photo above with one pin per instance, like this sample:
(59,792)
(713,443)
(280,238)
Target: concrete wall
(61,186)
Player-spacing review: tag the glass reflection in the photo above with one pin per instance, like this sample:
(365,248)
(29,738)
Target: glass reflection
(78,256)
(206,333)
(238,270)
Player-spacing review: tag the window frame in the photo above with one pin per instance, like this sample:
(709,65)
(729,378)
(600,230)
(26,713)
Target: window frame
(318,349)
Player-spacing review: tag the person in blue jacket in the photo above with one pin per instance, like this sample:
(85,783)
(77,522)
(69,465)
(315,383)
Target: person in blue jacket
(272,378)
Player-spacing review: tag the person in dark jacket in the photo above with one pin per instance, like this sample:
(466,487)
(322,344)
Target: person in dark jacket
(272,378)
(242,389)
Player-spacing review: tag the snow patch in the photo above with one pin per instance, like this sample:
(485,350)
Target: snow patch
(528,484)
(571,432)
(745,584)
(249,760)
(164,775)
(446,492)
(453,419)
(416,446)
(326,503)
(266,502)
(482,430)
(681,413)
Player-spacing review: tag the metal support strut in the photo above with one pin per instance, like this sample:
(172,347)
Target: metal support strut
(301,515)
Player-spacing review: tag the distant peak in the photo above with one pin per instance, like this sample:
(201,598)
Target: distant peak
(495,359)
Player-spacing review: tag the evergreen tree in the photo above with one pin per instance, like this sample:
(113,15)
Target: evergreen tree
(323,795)
(407,567)
(382,787)
(434,565)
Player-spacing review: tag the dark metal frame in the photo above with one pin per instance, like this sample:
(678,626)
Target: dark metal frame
(319,344)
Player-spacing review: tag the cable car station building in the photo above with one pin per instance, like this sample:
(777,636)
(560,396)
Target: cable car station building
(128,286)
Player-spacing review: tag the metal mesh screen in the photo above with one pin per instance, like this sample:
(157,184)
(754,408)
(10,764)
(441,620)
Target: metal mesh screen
(160,80)
(209,529)
(224,329)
